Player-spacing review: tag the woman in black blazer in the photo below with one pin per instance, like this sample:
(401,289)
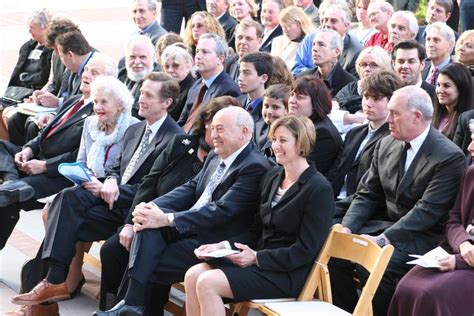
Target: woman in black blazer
(310,97)
(295,215)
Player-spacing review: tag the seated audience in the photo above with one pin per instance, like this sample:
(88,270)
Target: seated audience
(448,289)
(404,196)
(275,105)
(408,59)
(327,46)
(180,161)
(278,250)
(402,26)
(91,215)
(364,29)
(295,24)
(349,99)
(31,172)
(453,97)
(218,203)
(178,62)
(201,22)
(310,97)
(439,45)
(360,142)
(270,21)
(167,40)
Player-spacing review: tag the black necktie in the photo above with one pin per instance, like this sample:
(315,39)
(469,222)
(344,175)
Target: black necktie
(403,160)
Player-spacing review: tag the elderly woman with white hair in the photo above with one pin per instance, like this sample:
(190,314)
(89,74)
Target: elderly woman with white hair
(178,62)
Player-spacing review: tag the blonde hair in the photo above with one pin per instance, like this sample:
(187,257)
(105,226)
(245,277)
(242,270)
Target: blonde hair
(253,8)
(379,55)
(466,35)
(213,26)
(293,14)
(302,129)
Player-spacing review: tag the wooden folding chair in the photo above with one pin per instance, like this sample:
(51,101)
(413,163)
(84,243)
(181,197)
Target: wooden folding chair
(350,247)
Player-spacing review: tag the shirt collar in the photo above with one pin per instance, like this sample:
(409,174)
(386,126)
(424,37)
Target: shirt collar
(209,81)
(148,27)
(443,64)
(156,126)
(416,143)
(231,158)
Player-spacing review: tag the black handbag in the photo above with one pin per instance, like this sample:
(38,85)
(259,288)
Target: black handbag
(14,95)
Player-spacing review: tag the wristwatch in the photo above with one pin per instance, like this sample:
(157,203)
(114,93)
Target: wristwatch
(381,241)
(170,219)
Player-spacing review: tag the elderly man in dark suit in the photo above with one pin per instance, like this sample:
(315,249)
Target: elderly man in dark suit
(218,203)
(327,46)
(78,215)
(37,162)
(405,196)
(211,52)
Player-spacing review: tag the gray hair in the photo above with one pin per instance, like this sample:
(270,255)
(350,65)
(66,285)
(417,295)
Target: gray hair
(347,16)
(336,39)
(412,22)
(108,62)
(144,39)
(220,45)
(443,29)
(176,52)
(418,100)
(243,118)
(112,87)
(41,17)
(471,125)
(381,5)
(151,4)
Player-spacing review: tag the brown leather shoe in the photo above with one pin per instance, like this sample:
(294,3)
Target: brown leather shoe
(36,310)
(43,292)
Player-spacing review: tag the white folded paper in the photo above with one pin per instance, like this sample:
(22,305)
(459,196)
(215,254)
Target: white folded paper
(219,253)
(430,259)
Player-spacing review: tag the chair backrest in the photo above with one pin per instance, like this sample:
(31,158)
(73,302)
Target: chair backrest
(354,248)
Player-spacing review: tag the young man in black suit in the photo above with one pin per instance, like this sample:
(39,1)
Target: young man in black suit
(404,197)
(360,141)
(30,172)
(219,202)
(77,214)
(211,52)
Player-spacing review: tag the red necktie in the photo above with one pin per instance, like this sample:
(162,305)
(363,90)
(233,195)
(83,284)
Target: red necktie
(434,76)
(65,117)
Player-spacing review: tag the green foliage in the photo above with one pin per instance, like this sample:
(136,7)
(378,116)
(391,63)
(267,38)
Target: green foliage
(420,12)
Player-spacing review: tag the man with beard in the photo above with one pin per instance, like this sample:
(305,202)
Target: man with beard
(139,62)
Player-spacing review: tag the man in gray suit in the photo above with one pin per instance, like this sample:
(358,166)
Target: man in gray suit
(405,196)
(144,17)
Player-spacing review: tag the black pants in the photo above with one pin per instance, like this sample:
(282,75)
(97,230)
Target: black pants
(173,11)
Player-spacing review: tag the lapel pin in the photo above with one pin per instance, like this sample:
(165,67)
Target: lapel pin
(186,142)
(190,151)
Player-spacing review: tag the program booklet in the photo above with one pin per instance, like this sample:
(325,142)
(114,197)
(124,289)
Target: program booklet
(75,171)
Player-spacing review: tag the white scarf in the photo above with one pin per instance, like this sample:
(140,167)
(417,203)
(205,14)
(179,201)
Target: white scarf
(96,154)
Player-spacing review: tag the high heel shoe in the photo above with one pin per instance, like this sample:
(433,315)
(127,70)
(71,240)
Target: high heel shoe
(78,288)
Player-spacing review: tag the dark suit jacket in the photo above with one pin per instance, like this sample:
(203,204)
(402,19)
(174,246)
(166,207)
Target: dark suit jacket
(229,24)
(347,165)
(428,87)
(155,32)
(336,81)
(41,77)
(462,136)
(411,212)
(328,145)
(260,128)
(267,44)
(177,164)
(349,54)
(132,138)
(232,67)
(222,85)
(426,71)
(184,87)
(63,144)
(289,235)
(234,201)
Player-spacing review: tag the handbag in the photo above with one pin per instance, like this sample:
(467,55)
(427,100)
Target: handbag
(14,95)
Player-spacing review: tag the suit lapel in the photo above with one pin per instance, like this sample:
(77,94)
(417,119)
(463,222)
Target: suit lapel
(416,167)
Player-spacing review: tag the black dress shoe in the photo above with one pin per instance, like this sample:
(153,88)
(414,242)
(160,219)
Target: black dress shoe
(15,191)
(122,309)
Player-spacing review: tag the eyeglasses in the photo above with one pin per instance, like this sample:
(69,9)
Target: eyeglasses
(371,65)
